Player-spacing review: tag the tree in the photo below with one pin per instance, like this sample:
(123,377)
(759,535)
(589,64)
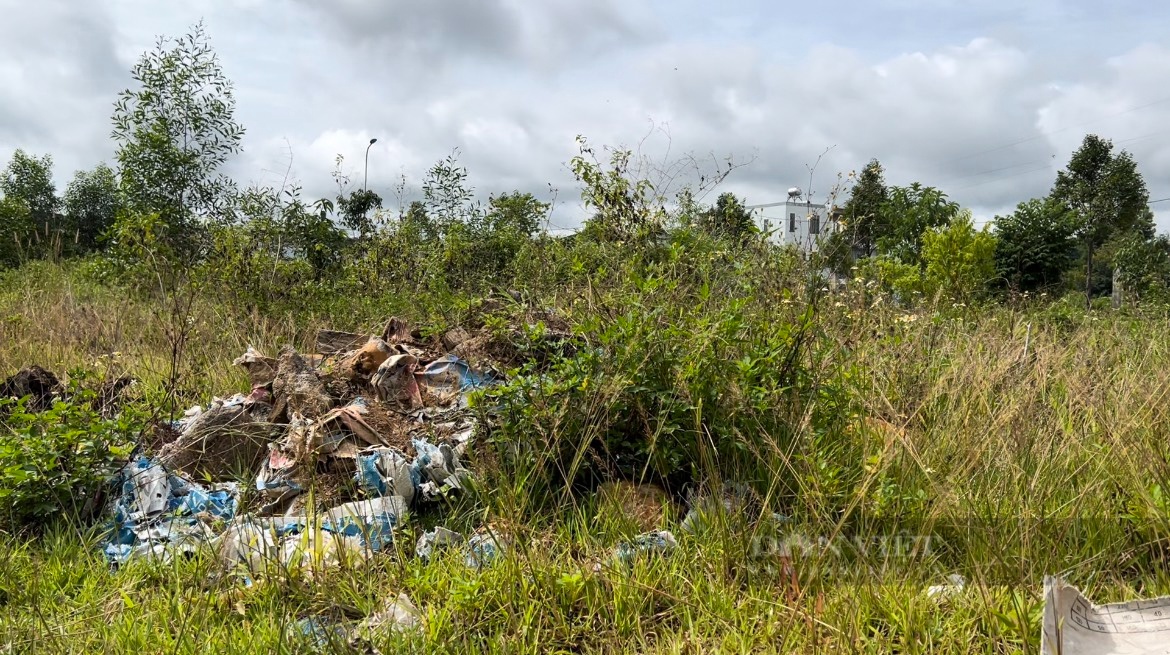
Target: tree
(862,213)
(1143,264)
(626,207)
(959,260)
(355,210)
(174,132)
(728,219)
(906,214)
(15,228)
(91,205)
(29,180)
(1036,244)
(515,213)
(1105,193)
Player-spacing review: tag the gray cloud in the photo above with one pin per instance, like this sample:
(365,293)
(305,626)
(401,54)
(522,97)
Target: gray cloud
(428,35)
(58,73)
(989,120)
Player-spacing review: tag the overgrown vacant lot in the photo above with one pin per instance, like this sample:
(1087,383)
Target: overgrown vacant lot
(888,449)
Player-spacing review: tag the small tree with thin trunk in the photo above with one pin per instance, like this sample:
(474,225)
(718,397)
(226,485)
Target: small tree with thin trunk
(174,132)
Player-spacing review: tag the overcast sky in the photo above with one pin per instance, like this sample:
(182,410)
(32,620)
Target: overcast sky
(985,100)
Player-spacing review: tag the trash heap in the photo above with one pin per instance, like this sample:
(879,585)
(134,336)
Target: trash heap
(374,425)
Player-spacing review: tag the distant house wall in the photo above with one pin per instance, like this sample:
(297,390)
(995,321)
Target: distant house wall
(795,223)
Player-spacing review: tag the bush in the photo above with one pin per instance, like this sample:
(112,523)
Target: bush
(692,373)
(53,464)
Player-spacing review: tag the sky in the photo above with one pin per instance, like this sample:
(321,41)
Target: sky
(984,100)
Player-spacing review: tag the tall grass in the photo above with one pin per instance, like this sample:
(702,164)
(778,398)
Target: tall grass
(1002,443)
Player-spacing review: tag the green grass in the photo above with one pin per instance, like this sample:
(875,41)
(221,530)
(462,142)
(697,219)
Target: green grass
(1017,467)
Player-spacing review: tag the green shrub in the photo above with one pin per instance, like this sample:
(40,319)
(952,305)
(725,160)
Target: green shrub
(53,464)
(692,373)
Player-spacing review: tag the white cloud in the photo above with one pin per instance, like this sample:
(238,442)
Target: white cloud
(986,115)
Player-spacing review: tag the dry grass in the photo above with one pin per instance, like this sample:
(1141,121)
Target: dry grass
(1020,466)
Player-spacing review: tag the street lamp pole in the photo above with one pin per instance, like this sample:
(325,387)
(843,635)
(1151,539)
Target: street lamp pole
(366,179)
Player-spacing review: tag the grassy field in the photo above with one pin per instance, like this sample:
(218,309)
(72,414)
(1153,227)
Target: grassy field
(997,443)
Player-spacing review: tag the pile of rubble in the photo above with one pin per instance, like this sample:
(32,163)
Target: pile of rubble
(373,425)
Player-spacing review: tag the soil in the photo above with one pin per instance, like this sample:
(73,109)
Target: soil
(643,503)
(393,426)
(221,443)
(33,381)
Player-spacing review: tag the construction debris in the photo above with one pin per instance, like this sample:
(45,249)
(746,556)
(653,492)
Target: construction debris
(222,442)
(298,390)
(361,364)
(332,342)
(261,370)
(350,423)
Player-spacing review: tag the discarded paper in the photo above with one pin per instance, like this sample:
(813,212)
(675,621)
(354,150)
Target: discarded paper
(1074,626)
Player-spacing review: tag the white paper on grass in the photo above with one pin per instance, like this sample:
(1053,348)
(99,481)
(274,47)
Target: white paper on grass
(1074,626)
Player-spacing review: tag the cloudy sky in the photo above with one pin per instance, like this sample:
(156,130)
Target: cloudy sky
(984,99)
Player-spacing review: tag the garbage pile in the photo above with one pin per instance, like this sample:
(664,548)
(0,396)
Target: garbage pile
(375,425)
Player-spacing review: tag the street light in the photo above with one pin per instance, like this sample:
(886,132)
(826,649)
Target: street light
(365,182)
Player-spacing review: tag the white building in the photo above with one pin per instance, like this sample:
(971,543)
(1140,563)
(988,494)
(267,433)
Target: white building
(795,221)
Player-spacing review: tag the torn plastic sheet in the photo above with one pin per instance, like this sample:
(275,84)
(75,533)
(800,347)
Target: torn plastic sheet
(157,513)
(351,531)
(160,514)
(706,508)
(660,541)
(955,584)
(483,549)
(434,472)
(385,471)
(395,381)
(435,539)
(440,468)
(450,375)
(397,614)
(1072,625)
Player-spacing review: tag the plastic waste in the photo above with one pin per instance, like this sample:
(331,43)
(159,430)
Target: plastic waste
(483,549)
(659,541)
(157,513)
(955,584)
(435,539)
(440,469)
(706,508)
(385,471)
(398,614)
(450,375)
(394,381)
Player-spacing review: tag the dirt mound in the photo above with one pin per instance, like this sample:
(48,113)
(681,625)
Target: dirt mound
(298,389)
(41,385)
(223,442)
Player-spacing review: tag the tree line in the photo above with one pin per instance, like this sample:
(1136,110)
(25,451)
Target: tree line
(175,128)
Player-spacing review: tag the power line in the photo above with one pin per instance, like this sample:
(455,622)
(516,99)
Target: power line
(1056,131)
(1001,178)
